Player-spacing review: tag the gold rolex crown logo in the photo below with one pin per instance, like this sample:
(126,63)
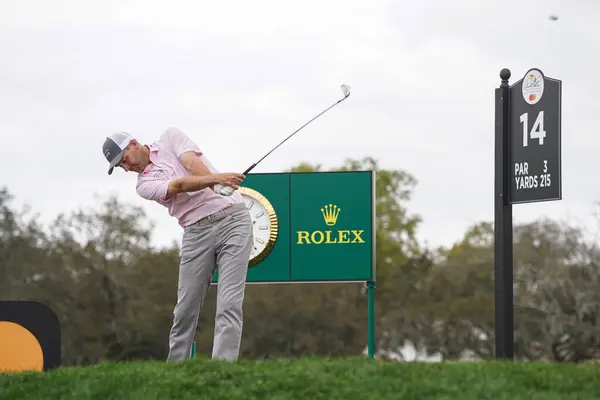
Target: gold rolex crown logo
(330,214)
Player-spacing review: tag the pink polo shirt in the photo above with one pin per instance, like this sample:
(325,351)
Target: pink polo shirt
(165,166)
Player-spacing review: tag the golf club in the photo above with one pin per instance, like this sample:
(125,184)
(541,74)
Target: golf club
(228,190)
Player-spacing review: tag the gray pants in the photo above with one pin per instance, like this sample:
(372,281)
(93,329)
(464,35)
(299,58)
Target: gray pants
(222,240)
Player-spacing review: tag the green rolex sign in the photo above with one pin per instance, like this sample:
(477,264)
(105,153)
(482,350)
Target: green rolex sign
(311,227)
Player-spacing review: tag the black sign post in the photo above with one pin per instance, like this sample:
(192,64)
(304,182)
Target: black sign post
(527,169)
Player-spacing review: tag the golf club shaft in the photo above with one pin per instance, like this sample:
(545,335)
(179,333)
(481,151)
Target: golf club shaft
(228,191)
(293,133)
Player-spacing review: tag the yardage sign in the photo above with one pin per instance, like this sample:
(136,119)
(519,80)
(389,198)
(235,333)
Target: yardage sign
(535,138)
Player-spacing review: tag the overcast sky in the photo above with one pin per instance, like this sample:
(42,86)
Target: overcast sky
(238,76)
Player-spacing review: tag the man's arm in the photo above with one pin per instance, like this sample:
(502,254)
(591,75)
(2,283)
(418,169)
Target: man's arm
(193,183)
(187,151)
(190,184)
(193,164)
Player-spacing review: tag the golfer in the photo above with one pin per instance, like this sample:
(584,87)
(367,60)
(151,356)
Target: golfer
(217,232)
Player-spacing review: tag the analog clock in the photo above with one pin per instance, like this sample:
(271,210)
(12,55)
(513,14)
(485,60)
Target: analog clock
(264,221)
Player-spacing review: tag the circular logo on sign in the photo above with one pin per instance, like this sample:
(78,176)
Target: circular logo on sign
(533,86)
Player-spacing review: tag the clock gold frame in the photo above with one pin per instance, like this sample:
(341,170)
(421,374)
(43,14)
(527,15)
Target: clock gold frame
(273,219)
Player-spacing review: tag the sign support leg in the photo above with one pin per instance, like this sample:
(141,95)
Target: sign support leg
(371,294)
(503,226)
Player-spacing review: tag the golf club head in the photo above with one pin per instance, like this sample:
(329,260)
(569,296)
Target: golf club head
(346,90)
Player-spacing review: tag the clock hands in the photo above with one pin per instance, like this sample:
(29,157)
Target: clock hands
(228,190)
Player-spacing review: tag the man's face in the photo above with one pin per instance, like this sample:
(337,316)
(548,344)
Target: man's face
(134,158)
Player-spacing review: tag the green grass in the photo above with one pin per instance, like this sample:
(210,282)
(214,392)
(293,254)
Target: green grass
(307,378)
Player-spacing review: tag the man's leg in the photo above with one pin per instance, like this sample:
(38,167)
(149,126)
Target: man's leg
(234,242)
(195,273)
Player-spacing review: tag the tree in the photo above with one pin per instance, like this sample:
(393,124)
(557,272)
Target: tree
(21,250)
(101,276)
(556,300)
(457,301)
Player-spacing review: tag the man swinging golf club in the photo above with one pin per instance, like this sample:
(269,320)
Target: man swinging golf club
(217,232)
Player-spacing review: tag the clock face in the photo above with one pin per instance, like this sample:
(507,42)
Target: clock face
(264,222)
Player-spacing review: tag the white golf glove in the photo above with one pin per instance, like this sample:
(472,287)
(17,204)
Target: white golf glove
(224,190)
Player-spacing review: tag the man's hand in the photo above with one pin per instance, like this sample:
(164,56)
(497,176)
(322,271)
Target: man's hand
(230,179)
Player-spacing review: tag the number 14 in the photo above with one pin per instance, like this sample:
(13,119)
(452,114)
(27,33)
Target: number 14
(537,131)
